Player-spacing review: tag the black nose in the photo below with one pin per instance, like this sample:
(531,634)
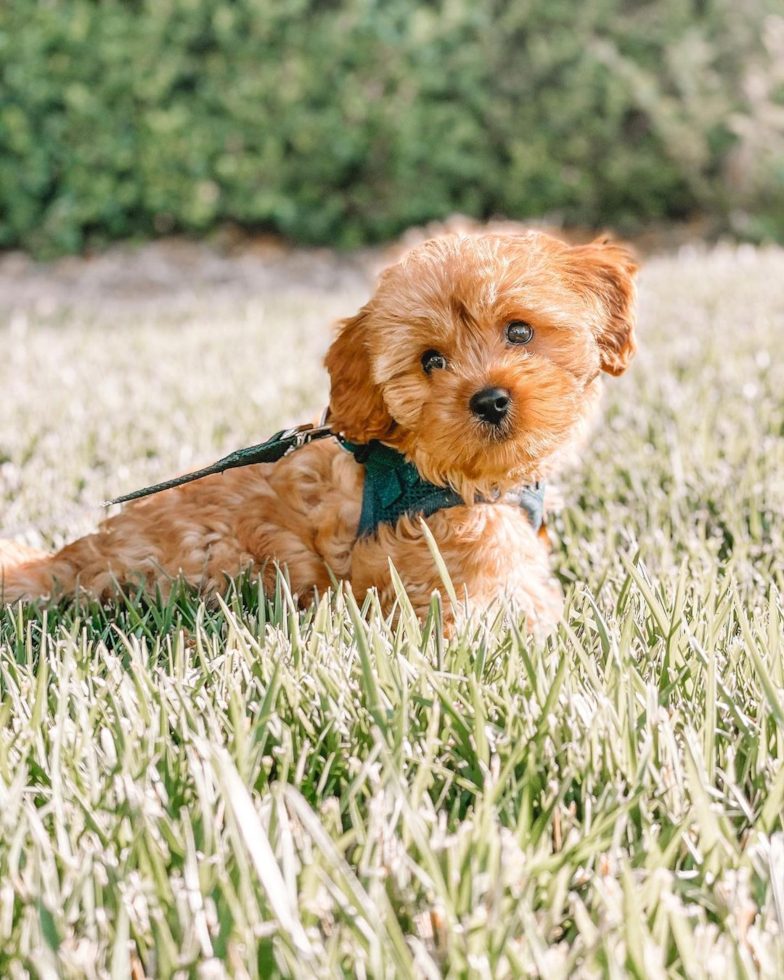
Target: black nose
(491,404)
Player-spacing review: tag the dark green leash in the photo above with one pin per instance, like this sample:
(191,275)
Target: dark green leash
(392,485)
(281,444)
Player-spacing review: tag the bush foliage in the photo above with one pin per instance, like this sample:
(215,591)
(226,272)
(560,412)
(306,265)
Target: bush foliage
(344,121)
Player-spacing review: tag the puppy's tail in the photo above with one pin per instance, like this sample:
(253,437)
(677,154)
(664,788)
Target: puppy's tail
(25,573)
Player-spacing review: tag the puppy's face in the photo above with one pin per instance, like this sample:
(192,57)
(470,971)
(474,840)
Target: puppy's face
(478,356)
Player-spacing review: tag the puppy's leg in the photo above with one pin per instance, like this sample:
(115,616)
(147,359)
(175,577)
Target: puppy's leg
(15,553)
(180,532)
(13,558)
(97,563)
(490,551)
(301,512)
(32,577)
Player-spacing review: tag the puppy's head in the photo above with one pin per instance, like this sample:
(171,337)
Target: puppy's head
(478,356)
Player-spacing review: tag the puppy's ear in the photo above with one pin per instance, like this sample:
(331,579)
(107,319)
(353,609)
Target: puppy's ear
(356,406)
(607,271)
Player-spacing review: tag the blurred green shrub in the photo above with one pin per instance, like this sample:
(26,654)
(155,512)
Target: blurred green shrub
(344,121)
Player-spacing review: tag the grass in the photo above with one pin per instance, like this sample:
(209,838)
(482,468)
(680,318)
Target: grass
(248,790)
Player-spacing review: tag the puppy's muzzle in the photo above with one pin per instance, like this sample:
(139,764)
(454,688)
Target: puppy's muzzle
(491,405)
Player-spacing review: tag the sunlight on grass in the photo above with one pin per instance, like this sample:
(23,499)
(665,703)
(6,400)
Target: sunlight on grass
(245,789)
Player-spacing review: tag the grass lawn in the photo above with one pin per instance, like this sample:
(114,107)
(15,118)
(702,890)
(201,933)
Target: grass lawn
(251,791)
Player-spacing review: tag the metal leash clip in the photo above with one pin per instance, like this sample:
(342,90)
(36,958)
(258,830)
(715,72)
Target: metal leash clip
(303,434)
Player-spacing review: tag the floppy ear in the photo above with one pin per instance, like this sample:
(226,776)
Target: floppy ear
(607,270)
(356,406)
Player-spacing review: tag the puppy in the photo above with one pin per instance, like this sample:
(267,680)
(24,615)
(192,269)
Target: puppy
(474,367)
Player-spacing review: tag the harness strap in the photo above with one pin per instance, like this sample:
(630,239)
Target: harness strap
(393,488)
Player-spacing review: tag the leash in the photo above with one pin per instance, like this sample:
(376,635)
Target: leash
(281,444)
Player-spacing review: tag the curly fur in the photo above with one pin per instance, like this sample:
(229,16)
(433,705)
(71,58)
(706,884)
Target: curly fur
(453,294)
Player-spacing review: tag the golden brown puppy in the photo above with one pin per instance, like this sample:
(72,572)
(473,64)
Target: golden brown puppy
(478,359)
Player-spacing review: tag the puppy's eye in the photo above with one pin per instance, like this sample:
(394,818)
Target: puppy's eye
(519,332)
(433,361)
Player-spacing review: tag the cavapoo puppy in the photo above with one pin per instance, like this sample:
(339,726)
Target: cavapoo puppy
(456,391)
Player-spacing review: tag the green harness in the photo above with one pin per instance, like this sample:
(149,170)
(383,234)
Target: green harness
(392,487)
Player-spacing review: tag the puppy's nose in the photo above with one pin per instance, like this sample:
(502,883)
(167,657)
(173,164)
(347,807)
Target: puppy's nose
(491,404)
